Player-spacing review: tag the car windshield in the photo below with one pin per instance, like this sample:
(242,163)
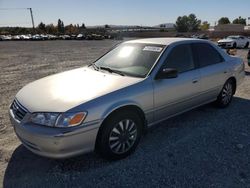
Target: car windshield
(232,37)
(132,59)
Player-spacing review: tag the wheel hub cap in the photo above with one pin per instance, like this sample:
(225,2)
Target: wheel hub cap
(227,93)
(123,136)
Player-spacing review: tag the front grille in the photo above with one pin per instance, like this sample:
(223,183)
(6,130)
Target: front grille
(18,110)
(222,44)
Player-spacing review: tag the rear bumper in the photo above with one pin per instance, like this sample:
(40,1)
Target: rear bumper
(56,142)
(240,76)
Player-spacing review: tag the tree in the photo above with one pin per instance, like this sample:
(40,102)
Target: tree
(204,26)
(224,20)
(181,24)
(193,23)
(60,26)
(51,29)
(187,23)
(83,26)
(71,29)
(42,27)
(107,26)
(240,20)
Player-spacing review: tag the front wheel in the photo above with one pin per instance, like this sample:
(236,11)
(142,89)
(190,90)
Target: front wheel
(119,135)
(226,95)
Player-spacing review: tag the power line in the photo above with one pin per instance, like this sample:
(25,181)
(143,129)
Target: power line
(13,8)
(30,10)
(13,23)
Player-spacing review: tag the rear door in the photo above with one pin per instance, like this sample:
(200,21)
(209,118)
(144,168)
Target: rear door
(175,95)
(213,69)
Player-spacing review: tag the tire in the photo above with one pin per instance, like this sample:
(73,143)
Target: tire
(120,134)
(226,95)
(247,44)
(235,45)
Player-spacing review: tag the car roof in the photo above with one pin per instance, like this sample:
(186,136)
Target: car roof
(236,36)
(162,41)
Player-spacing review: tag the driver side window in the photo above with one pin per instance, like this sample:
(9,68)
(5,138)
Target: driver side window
(180,58)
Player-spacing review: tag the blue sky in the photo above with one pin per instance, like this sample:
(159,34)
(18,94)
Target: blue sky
(127,12)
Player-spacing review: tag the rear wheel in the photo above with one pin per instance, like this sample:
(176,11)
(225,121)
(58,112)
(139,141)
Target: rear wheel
(226,94)
(235,45)
(120,135)
(247,44)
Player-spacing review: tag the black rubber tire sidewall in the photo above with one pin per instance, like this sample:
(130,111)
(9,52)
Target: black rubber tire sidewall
(247,44)
(103,138)
(234,45)
(219,101)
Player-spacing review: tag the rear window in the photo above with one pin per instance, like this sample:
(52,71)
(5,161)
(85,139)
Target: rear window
(206,55)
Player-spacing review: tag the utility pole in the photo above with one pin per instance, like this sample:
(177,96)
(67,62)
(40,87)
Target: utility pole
(32,19)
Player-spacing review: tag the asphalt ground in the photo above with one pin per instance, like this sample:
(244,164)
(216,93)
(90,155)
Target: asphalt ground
(206,147)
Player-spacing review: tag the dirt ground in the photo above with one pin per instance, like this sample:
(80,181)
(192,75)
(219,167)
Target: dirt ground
(206,147)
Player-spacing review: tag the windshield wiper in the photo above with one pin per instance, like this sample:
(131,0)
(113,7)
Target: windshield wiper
(112,70)
(94,66)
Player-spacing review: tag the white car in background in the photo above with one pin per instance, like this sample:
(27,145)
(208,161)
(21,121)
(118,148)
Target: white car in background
(236,41)
(5,37)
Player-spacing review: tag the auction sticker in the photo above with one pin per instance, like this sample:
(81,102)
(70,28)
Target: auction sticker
(152,48)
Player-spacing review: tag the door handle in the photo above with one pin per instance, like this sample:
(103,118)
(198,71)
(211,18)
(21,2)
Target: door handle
(225,72)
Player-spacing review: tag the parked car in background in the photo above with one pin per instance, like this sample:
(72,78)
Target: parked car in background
(106,105)
(36,37)
(64,37)
(52,37)
(94,37)
(80,37)
(201,36)
(16,37)
(236,41)
(44,37)
(25,37)
(5,37)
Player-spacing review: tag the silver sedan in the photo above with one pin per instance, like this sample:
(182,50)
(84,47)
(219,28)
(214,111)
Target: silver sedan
(106,105)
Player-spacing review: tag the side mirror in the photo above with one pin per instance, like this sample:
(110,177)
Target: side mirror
(166,73)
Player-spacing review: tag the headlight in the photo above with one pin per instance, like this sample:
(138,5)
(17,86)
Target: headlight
(48,119)
(58,119)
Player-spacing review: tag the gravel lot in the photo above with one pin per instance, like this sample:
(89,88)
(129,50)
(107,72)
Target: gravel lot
(206,147)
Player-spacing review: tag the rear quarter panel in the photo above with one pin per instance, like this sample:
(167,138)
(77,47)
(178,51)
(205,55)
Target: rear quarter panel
(237,67)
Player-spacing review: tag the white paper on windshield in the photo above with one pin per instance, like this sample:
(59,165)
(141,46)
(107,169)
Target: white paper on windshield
(152,48)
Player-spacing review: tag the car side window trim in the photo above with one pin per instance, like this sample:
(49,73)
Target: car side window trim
(196,58)
(161,56)
(191,56)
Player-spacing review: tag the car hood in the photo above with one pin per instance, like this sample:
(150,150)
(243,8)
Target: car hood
(226,40)
(63,91)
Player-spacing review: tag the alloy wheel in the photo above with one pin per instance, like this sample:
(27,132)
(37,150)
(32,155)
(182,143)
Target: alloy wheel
(227,93)
(123,136)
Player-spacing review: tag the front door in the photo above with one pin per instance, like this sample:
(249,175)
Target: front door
(175,95)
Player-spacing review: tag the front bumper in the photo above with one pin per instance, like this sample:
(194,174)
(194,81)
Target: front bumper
(56,142)
(225,44)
